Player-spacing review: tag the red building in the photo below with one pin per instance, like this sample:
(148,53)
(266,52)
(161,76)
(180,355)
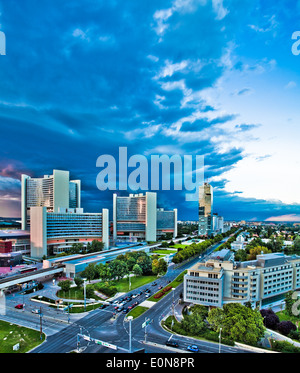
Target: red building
(5,247)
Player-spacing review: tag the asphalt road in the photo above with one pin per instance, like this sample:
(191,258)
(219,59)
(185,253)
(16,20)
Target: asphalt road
(101,324)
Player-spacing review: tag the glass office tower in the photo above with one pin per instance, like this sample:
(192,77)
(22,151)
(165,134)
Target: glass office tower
(205,210)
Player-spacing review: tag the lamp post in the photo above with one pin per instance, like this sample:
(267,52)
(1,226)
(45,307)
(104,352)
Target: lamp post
(84,292)
(220,340)
(130,318)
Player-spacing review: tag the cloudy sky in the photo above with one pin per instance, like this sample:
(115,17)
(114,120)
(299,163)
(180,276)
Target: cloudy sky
(189,77)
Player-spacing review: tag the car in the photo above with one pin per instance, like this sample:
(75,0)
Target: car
(19,306)
(172,343)
(120,309)
(126,310)
(103,305)
(154,284)
(193,348)
(160,287)
(148,294)
(36,310)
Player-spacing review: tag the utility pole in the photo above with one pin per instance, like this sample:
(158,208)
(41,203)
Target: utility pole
(41,324)
(130,318)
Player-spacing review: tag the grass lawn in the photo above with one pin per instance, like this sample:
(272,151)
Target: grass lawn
(136,281)
(178,246)
(164,251)
(137,311)
(75,293)
(284,317)
(11,334)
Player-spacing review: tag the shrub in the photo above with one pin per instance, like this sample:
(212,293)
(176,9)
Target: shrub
(158,295)
(167,289)
(285,327)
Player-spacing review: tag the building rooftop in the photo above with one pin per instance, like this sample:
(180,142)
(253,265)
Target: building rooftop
(14,233)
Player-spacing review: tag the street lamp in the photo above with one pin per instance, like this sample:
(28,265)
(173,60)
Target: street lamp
(84,292)
(130,318)
(220,340)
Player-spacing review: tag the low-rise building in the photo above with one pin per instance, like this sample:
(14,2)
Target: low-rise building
(220,280)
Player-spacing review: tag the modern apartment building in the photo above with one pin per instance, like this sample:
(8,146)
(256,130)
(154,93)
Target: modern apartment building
(220,280)
(136,218)
(205,227)
(51,191)
(55,232)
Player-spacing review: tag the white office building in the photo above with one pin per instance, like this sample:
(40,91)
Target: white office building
(51,191)
(55,232)
(220,280)
(136,218)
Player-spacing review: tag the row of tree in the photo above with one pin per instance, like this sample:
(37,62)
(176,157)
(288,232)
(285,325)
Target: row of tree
(137,262)
(198,248)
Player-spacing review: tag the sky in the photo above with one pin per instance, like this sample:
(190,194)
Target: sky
(214,78)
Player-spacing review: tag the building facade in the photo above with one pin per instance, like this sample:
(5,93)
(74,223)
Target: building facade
(220,280)
(55,232)
(205,227)
(136,218)
(51,191)
(166,223)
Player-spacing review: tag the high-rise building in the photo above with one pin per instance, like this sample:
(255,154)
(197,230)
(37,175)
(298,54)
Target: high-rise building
(205,210)
(166,223)
(51,191)
(55,232)
(136,218)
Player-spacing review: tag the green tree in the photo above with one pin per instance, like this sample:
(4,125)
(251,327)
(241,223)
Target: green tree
(89,272)
(118,269)
(65,285)
(137,270)
(78,281)
(257,251)
(238,322)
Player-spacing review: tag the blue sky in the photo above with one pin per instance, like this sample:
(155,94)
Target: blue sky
(208,77)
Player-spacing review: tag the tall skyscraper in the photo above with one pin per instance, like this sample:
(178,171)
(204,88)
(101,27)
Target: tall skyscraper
(134,217)
(205,209)
(51,191)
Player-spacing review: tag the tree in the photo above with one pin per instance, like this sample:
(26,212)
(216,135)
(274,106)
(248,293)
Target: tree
(271,320)
(78,281)
(155,267)
(118,269)
(194,324)
(65,285)
(89,272)
(285,327)
(137,270)
(238,322)
(96,246)
(257,250)
(162,266)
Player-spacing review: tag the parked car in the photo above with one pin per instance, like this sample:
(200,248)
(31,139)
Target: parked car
(172,343)
(36,310)
(19,306)
(120,309)
(193,348)
(103,305)
(126,310)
